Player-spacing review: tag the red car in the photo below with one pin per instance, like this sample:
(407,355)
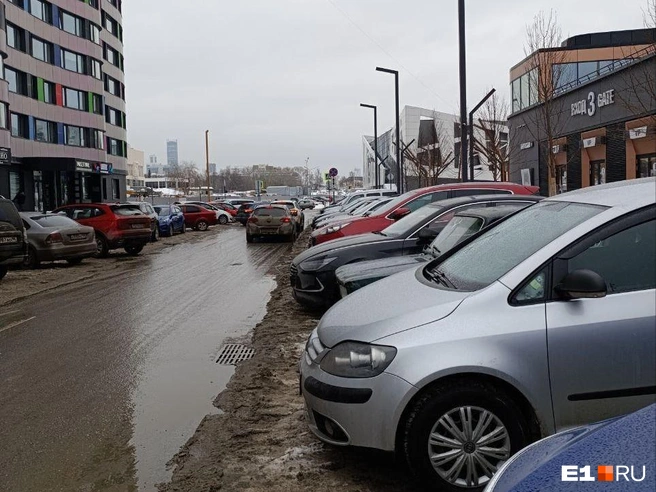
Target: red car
(116,225)
(412,200)
(231,209)
(197,217)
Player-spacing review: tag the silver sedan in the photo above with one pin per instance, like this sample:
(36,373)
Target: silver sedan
(53,237)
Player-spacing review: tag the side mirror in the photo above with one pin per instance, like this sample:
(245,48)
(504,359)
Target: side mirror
(582,284)
(426,235)
(400,213)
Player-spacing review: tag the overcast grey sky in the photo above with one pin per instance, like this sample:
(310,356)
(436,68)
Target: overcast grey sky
(276,81)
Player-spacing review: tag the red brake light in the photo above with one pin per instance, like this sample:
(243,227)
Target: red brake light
(285,220)
(252,219)
(53,238)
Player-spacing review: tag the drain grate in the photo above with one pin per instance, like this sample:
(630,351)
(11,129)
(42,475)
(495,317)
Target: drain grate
(231,354)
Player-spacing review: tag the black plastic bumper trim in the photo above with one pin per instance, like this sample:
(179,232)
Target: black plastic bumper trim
(336,394)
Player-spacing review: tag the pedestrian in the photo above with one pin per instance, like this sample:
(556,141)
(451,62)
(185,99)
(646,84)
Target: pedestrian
(19,200)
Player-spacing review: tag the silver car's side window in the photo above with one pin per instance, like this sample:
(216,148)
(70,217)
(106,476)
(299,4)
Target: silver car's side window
(626,260)
(533,290)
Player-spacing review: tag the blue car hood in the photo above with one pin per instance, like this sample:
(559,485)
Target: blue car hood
(626,441)
(394,304)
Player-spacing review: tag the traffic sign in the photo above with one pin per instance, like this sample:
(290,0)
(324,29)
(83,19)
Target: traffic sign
(333,172)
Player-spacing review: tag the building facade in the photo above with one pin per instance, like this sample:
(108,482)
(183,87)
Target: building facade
(172,153)
(135,179)
(62,102)
(598,121)
(432,154)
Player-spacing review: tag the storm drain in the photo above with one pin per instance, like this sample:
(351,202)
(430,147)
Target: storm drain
(231,354)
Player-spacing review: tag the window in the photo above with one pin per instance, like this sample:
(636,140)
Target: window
(3,115)
(20,125)
(519,237)
(646,166)
(111,24)
(533,290)
(15,37)
(72,61)
(41,10)
(49,92)
(75,99)
(625,260)
(42,50)
(98,139)
(515,95)
(71,24)
(45,131)
(597,172)
(112,86)
(75,136)
(97,104)
(116,189)
(11,76)
(587,70)
(96,69)
(94,33)
(561,179)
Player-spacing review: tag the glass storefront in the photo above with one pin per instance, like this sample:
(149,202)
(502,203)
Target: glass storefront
(646,166)
(597,172)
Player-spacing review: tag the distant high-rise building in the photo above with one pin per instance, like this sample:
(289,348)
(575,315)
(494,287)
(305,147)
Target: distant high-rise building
(153,159)
(172,152)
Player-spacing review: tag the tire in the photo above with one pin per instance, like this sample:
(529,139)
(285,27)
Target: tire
(134,250)
(3,271)
(202,225)
(478,401)
(223,220)
(32,260)
(171,231)
(249,238)
(155,235)
(184,227)
(102,249)
(74,261)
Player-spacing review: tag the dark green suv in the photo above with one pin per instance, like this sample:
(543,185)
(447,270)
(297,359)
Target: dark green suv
(13,243)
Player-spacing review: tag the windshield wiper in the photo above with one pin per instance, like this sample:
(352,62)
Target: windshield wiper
(380,233)
(439,277)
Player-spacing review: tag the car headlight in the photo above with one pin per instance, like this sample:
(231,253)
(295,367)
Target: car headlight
(334,228)
(316,264)
(357,360)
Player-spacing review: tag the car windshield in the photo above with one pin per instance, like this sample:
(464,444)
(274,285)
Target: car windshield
(457,230)
(163,211)
(363,207)
(126,210)
(412,221)
(53,221)
(501,249)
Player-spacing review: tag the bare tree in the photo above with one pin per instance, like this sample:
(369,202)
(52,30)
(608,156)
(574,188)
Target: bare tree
(545,68)
(493,126)
(432,158)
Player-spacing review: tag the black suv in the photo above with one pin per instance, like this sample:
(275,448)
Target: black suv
(13,243)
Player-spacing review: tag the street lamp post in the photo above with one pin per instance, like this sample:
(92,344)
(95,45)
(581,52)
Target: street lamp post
(463,89)
(471,132)
(399,180)
(375,108)
(207,162)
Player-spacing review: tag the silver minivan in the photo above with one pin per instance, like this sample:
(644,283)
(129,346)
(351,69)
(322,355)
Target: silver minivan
(545,322)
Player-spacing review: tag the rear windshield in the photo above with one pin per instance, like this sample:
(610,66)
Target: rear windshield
(126,210)
(53,221)
(9,215)
(270,212)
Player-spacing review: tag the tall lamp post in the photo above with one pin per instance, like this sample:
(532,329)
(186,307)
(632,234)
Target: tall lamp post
(377,181)
(207,162)
(471,132)
(399,179)
(463,89)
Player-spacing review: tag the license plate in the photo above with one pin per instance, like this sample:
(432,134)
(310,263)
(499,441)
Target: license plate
(8,240)
(138,226)
(78,237)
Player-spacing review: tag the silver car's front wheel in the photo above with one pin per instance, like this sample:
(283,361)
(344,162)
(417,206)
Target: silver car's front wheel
(457,434)
(467,445)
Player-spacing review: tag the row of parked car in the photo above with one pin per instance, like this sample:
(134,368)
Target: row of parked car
(469,320)
(75,232)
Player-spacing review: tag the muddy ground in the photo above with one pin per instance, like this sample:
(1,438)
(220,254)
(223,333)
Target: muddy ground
(259,441)
(20,283)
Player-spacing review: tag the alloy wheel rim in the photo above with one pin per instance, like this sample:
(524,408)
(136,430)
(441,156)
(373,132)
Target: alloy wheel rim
(99,245)
(467,445)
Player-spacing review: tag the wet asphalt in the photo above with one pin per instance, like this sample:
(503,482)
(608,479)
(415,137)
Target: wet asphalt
(100,385)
